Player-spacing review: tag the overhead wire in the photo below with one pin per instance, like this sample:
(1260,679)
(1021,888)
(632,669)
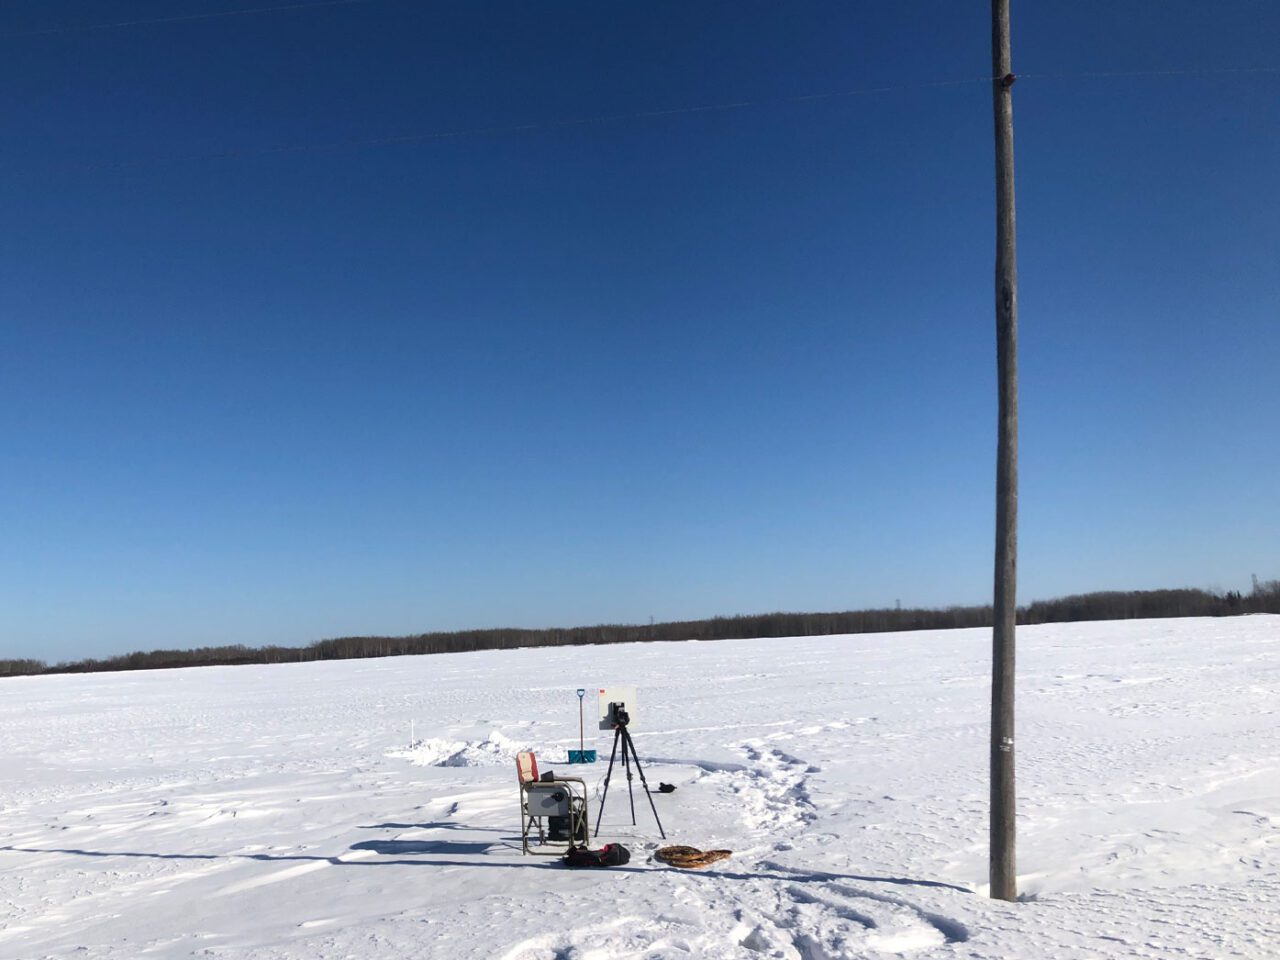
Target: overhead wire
(535,126)
(312,4)
(244,11)
(495,130)
(1119,74)
(602,119)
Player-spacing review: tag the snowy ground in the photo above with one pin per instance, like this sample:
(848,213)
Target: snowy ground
(277,812)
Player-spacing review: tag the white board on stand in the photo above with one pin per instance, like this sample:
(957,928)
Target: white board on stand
(611,695)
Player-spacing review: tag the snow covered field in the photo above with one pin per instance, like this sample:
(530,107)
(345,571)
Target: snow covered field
(278,812)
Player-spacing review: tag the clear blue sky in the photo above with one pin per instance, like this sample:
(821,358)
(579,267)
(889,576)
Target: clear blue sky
(673,366)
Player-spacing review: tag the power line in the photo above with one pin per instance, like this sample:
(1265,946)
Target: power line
(309,4)
(547,125)
(1109,74)
(542,125)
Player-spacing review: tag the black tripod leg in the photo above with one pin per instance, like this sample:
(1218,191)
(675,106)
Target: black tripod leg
(626,765)
(643,782)
(607,774)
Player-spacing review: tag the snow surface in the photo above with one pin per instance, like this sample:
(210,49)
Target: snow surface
(280,811)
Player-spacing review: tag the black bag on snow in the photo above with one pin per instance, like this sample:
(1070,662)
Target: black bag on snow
(610,855)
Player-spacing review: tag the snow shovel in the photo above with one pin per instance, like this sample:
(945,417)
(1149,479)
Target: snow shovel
(580,755)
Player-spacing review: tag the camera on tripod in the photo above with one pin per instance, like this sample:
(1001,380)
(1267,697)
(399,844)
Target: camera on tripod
(617,707)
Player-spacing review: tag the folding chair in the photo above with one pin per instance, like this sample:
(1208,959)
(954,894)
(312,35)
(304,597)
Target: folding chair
(559,801)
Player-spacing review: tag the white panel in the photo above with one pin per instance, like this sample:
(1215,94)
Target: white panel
(611,695)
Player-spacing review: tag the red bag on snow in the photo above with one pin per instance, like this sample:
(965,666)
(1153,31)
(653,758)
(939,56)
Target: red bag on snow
(610,855)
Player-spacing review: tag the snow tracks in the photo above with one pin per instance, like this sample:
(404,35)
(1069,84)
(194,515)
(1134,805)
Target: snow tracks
(750,905)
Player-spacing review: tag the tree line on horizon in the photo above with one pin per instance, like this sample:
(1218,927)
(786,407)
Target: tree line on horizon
(1102,605)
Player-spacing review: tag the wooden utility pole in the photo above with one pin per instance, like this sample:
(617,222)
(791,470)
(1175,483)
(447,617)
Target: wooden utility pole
(1003,835)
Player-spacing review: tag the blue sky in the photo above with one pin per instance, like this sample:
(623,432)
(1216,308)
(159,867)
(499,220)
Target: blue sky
(270,373)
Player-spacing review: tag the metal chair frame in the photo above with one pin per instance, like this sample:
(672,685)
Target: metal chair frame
(542,798)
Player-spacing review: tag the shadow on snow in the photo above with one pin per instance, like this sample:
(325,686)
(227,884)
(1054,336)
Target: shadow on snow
(401,848)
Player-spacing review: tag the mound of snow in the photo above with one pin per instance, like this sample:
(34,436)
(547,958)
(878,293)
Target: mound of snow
(494,750)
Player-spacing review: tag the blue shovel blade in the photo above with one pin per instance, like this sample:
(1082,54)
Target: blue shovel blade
(582,756)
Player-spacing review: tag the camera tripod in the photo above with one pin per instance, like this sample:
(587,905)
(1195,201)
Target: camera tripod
(622,736)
